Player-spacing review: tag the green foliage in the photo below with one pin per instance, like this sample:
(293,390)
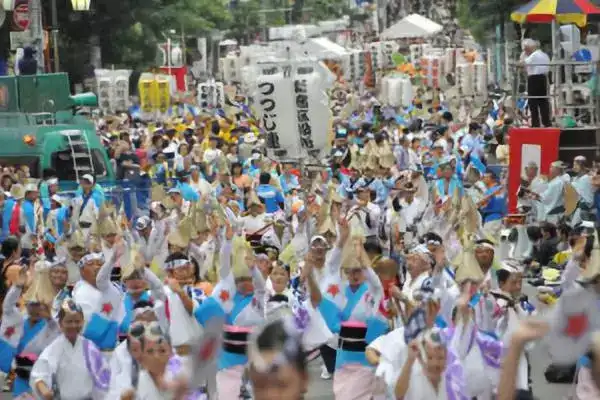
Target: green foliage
(482,16)
(129,31)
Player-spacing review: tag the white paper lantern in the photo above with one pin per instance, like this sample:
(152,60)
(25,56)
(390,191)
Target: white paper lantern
(8,5)
(274,101)
(176,56)
(311,115)
(81,5)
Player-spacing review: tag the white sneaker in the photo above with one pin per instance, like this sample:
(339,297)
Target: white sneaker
(313,355)
(325,375)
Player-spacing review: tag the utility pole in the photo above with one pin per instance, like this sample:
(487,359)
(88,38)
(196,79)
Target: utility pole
(55,36)
(37,32)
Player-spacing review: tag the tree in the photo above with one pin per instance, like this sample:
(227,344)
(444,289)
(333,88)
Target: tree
(128,31)
(482,16)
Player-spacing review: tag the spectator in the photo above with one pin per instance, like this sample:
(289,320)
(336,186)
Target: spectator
(28,64)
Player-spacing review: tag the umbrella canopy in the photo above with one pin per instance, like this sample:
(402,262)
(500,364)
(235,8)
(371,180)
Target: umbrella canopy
(412,26)
(562,11)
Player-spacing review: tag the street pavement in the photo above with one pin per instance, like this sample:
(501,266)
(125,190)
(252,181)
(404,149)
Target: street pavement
(542,390)
(322,389)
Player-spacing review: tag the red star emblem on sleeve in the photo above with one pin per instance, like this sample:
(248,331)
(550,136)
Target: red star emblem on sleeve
(107,308)
(224,295)
(8,332)
(577,325)
(333,290)
(208,349)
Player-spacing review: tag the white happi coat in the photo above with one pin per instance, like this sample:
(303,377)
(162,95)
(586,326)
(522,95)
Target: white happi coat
(156,243)
(104,300)
(317,333)
(89,214)
(121,368)
(420,388)
(552,198)
(204,255)
(63,366)
(12,326)
(506,324)
(482,380)
(183,327)
(325,277)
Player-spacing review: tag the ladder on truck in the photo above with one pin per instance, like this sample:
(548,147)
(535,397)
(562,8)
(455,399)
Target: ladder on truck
(80,152)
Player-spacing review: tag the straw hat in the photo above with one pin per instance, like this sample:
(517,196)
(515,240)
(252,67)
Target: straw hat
(240,250)
(32,185)
(386,156)
(592,269)
(17,191)
(353,255)
(327,226)
(77,239)
(253,200)
(176,239)
(134,262)
(40,290)
(468,268)
(199,219)
(181,237)
(468,216)
(106,223)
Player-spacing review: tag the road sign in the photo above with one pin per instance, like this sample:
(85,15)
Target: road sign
(20,39)
(2,15)
(21,15)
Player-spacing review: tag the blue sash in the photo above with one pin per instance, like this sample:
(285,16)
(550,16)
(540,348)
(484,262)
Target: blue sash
(7,354)
(475,300)
(441,187)
(85,201)
(450,272)
(30,332)
(352,299)
(102,332)
(128,303)
(28,211)
(239,303)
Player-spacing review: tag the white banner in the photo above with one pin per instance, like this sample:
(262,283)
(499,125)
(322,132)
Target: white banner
(201,65)
(312,111)
(211,95)
(275,104)
(120,98)
(104,88)
(112,89)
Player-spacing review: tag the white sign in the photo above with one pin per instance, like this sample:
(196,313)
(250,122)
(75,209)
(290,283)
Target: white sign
(312,111)
(275,100)
(112,89)
(20,39)
(201,64)
(211,95)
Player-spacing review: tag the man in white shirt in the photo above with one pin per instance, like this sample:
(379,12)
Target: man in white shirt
(537,64)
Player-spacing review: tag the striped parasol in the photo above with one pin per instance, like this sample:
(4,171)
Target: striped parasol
(560,11)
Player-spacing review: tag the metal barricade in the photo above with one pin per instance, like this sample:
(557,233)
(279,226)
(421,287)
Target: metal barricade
(133,197)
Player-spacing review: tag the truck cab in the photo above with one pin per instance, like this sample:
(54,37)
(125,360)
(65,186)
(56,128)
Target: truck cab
(40,128)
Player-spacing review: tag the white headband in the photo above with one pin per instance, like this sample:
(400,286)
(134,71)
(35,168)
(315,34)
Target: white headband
(58,262)
(141,310)
(177,264)
(89,258)
(486,245)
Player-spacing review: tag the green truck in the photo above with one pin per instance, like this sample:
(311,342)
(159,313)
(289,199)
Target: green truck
(40,127)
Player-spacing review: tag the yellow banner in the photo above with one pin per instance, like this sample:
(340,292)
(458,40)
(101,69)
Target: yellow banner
(147,89)
(163,94)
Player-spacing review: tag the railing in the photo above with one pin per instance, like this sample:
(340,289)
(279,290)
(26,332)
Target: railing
(561,94)
(133,198)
